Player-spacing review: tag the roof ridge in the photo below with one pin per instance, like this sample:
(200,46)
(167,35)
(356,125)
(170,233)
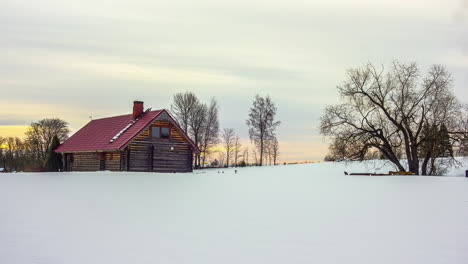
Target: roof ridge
(128,126)
(110,117)
(124,115)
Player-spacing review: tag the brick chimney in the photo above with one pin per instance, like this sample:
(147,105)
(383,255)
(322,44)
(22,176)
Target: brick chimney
(137,109)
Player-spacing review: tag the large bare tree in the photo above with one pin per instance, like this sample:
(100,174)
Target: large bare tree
(40,134)
(262,123)
(388,111)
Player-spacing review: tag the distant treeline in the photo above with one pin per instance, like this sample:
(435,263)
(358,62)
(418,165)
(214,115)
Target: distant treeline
(32,152)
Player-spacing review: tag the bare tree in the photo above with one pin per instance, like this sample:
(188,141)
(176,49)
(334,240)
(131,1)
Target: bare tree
(211,130)
(221,158)
(255,155)
(245,156)
(274,150)
(237,149)
(460,134)
(182,108)
(40,134)
(15,154)
(267,151)
(261,122)
(2,153)
(197,123)
(388,111)
(228,138)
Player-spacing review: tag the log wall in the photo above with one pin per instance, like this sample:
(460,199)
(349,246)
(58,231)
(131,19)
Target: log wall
(85,162)
(94,161)
(112,161)
(172,154)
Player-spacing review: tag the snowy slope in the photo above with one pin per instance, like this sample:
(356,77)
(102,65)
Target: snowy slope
(308,213)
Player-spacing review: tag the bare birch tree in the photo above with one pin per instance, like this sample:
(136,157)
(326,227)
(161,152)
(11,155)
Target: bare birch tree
(245,156)
(262,123)
(196,126)
(221,158)
(182,108)
(274,150)
(228,138)
(211,130)
(237,150)
(199,121)
(255,156)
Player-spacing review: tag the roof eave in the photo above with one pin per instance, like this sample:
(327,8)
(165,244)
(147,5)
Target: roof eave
(82,151)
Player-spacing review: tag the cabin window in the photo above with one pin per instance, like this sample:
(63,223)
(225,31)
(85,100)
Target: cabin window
(160,132)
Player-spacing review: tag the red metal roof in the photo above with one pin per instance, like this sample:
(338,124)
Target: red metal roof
(96,135)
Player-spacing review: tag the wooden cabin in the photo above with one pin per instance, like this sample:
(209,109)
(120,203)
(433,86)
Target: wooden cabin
(141,141)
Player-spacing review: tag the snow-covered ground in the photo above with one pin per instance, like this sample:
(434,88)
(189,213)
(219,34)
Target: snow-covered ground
(309,213)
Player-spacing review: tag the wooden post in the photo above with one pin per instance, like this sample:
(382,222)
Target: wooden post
(64,162)
(151,158)
(102,161)
(128,159)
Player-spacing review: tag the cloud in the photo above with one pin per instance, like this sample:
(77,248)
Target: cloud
(76,59)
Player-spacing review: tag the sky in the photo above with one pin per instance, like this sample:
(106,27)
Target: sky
(85,59)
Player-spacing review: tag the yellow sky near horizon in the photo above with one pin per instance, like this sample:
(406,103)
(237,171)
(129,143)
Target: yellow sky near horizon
(12,130)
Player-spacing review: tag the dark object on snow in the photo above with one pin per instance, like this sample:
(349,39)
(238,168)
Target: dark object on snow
(466,173)
(358,173)
(400,173)
(369,174)
(366,174)
(235,171)
(381,174)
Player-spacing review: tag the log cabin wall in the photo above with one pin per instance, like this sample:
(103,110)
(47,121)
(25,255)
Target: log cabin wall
(87,161)
(172,154)
(94,161)
(112,161)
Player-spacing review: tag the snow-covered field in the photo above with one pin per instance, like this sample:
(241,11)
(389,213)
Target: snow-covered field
(309,213)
